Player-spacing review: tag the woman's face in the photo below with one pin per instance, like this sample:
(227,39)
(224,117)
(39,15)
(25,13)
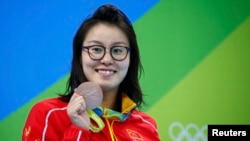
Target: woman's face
(107,72)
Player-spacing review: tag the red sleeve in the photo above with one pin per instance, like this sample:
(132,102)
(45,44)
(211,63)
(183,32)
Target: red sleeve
(149,130)
(39,127)
(155,136)
(34,125)
(153,133)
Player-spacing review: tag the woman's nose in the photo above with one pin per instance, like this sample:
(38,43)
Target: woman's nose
(107,59)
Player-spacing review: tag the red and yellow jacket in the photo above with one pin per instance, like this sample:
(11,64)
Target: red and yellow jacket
(48,121)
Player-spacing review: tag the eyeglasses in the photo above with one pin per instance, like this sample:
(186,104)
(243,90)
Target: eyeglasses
(97,52)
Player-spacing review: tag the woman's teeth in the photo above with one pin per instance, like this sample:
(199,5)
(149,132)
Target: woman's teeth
(106,72)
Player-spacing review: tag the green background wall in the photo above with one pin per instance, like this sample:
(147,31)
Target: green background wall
(197,65)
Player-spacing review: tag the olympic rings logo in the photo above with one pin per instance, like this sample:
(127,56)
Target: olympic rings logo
(185,133)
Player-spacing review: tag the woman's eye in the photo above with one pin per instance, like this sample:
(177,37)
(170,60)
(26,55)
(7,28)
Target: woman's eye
(117,50)
(96,49)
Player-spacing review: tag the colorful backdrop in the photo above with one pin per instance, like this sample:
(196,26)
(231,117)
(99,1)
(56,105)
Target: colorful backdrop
(195,56)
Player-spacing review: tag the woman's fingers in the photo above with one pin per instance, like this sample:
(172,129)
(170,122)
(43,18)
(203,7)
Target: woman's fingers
(76,110)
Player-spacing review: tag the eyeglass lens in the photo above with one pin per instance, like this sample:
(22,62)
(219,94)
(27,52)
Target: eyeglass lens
(117,52)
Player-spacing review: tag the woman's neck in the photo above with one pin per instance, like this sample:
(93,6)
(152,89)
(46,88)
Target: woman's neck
(109,99)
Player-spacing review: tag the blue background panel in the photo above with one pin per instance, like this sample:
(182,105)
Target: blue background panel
(36,41)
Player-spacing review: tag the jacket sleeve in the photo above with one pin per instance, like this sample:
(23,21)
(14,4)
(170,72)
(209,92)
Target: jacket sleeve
(148,126)
(37,128)
(34,125)
(155,136)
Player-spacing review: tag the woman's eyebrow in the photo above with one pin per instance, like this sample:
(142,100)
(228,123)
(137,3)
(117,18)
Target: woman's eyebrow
(113,44)
(119,43)
(94,41)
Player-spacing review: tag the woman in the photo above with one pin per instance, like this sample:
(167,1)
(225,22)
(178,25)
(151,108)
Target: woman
(105,52)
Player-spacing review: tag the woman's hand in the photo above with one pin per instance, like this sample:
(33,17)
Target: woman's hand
(77,111)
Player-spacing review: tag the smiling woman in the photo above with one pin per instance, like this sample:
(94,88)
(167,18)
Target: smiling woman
(106,71)
(105,52)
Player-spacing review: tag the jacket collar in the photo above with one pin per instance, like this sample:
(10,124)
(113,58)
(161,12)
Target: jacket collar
(127,106)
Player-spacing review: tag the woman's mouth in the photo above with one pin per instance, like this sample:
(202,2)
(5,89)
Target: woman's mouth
(105,72)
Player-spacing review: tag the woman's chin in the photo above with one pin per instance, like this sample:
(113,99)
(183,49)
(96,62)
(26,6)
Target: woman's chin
(106,88)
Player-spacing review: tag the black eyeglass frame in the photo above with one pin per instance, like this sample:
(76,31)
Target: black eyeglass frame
(128,49)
